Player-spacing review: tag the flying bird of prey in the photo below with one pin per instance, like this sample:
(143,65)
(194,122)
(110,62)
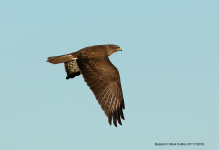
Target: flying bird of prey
(100,75)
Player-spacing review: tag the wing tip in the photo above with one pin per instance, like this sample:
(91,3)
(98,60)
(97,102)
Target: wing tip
(117,115)
(73,75)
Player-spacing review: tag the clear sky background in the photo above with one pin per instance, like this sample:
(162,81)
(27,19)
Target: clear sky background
(169,70)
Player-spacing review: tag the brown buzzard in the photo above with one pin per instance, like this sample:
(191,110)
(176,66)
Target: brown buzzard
(100,75)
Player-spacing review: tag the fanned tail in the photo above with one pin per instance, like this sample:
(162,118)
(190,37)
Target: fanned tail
(60,59)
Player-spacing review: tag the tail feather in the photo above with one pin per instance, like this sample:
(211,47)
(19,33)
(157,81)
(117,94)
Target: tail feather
(60,59)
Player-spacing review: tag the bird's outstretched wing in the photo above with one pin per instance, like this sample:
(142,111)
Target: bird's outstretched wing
(103,79)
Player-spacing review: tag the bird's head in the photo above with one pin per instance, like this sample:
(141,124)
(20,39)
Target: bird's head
(113,48)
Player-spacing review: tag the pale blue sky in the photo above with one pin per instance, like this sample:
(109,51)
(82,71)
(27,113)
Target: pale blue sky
(169,70)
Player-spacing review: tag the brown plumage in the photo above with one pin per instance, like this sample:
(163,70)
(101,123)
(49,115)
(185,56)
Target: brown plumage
(100,75)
